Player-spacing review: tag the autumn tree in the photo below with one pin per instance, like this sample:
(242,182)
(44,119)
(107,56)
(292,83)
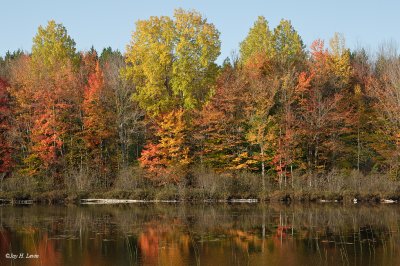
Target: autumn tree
(262,84)
(384,90)
(258,41)
(289,59)
(21,90)
(166,161)
(47,99)
(288,47)
(322,108)
(9,148)
(99,125)
(87,66)
(171,61)
(55,111)
(362,142)
(5,128)
(272,73)
(221,125)
(287,151)
(6,63)
(128,115)
(53,47)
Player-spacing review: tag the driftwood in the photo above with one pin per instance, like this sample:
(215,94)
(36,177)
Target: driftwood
(121,201)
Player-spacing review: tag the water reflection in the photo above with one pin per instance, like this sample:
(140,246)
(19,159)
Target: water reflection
(219,234)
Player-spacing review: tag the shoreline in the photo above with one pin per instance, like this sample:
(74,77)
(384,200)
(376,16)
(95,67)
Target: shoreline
(276,196)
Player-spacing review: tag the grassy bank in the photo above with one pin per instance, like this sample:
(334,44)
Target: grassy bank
(206,185)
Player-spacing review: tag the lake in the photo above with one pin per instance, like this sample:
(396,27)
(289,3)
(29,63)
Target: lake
(202,234)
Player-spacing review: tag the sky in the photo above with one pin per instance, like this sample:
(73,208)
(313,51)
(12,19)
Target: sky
(101,23)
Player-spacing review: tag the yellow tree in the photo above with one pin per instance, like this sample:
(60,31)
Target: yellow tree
(258,41)
(167,160)
(149,63)
(172,61)
(258,74)
(288,47)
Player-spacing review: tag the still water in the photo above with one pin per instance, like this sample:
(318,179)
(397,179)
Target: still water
(214,234)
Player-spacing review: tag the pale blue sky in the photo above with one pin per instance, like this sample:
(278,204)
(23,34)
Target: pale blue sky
(110,23)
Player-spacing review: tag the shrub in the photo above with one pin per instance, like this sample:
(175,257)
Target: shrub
(130,178)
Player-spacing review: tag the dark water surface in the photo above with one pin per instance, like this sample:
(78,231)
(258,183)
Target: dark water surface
(214,234)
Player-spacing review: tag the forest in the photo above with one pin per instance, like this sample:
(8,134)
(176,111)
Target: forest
(165,121)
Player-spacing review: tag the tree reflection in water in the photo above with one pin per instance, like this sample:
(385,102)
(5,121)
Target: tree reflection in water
(218,234)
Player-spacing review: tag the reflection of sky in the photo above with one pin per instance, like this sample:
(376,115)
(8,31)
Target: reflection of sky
(110,23)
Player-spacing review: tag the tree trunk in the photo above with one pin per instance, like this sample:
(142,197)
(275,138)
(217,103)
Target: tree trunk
(358,148)
(262,167)
(291,173)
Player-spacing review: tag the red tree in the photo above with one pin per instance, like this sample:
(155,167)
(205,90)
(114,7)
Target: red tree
(5,126)
(322,107)
(98,121)
(96,117)
(52,108)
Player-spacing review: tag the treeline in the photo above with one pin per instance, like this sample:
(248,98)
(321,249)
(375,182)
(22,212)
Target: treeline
(165,109)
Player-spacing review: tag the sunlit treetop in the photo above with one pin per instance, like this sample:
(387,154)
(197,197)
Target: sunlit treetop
(52,46)
(258,40)
(340,58)
(288,45)
(172,61)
